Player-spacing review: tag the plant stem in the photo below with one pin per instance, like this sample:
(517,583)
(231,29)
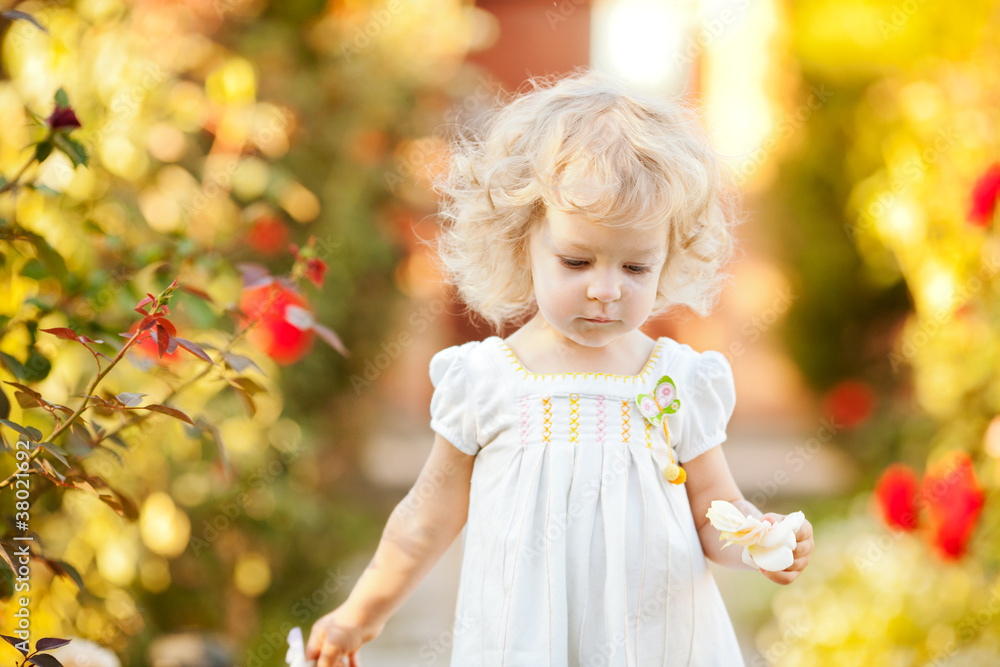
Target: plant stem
(9,185)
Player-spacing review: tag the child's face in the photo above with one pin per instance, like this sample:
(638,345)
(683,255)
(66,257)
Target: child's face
(594,283)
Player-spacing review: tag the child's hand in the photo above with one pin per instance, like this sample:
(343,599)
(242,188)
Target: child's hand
(335,639)
(803,549)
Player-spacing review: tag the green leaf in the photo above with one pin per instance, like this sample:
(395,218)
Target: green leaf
(29,432)
(37,366)
(61,98)
(56,451)
(43,150)
(15,367)
(64,569)
(73,149)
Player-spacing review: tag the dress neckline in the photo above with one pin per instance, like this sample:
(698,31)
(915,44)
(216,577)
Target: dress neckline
(528,375)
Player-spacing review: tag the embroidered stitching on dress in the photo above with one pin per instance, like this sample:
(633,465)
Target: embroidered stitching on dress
(574,418)
(641,377)
(547,416)
(625,422)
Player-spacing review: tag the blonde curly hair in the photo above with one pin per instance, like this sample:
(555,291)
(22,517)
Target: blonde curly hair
(648,157)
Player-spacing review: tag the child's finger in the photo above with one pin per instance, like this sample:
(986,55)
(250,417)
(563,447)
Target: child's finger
(315,642)
(805,532)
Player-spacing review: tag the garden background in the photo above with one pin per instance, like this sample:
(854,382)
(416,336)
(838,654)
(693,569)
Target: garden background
(217,307)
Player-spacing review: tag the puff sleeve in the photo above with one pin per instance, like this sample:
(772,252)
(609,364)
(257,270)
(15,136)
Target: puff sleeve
(710,402)
(453,404)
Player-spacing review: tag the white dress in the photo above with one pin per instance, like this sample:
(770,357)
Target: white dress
(577,551)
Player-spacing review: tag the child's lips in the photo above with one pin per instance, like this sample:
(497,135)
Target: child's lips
(599,320)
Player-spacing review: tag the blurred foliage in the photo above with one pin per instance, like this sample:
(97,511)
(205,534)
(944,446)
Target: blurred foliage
(904,289)
(217,132)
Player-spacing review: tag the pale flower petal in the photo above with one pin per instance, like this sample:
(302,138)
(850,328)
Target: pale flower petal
(296,656)
(766,545)
(772,559)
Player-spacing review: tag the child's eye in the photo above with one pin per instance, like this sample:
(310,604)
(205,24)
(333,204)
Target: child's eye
(573,263)
(636,268)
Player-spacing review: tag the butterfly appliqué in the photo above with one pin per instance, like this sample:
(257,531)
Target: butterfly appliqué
(655,407)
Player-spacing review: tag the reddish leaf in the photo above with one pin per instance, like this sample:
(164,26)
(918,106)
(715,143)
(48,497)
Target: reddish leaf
(49,643)
(167,325)
(44,660)
(62,332)
(24,388)
(197,292)
(139,307)
(173,412)
(194,349)
(27,401)
(69,334)
(50,472)
(162,337)
(131,512)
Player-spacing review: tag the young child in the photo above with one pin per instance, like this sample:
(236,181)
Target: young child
(585,209)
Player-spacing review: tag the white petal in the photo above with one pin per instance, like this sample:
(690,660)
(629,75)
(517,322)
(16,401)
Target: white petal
(772,559)
(746,557)
(296,655)
(726,518)
(783,532)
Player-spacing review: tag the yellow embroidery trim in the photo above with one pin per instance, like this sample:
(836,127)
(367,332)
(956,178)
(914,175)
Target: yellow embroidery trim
(547,424)
(625,422)
(606,376)
(574,417)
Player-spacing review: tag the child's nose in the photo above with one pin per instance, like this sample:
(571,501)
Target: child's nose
(604,287)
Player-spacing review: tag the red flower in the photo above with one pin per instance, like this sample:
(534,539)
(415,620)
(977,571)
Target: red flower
(315,270)
(984,196)
(896,492)
(268,235)
(850,402)
(63,117)
(954,500)
(285,328)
